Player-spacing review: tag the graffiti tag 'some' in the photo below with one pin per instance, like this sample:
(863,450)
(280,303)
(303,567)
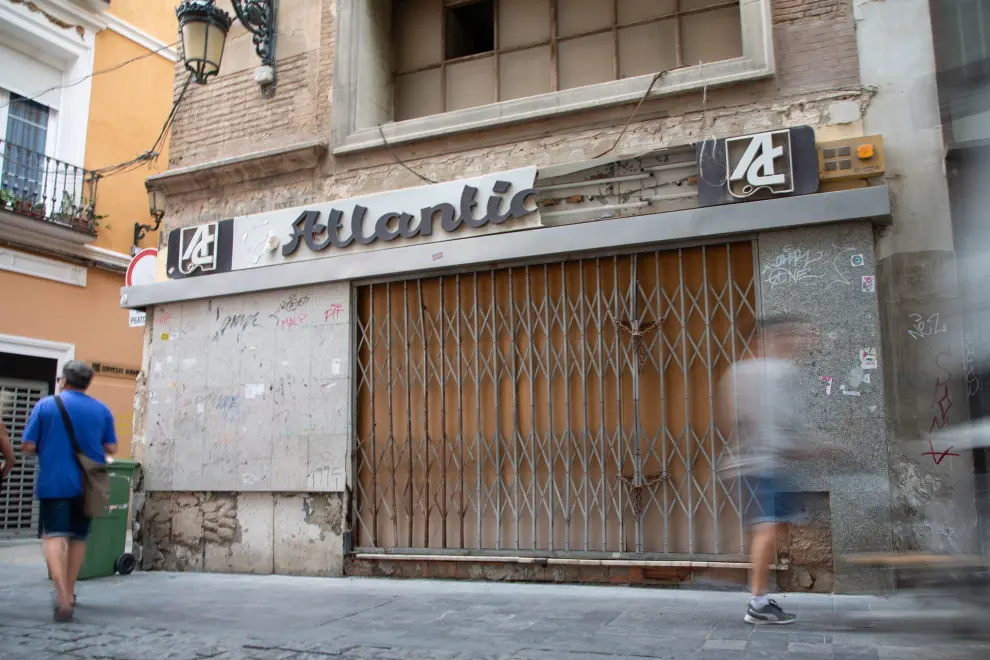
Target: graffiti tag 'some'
(857,260)
(828,384)
(869,284)
(868,358)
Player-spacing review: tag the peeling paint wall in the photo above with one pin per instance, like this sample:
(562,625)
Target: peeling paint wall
(934,507)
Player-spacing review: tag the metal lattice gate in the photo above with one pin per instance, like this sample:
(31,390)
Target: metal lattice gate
(18,508)
(568,408)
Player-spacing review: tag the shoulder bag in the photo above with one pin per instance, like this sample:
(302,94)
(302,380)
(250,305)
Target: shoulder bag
(95,476)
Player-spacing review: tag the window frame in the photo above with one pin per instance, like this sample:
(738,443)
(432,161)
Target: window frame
(51,130)
(353,87)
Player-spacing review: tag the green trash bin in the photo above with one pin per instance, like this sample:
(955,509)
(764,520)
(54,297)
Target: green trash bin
(108,535)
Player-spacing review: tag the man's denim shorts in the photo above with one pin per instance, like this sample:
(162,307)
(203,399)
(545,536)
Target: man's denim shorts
(64,517)
(770,503)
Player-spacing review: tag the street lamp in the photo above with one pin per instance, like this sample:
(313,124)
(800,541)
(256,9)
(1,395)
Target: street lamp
(203,28)
(156,207)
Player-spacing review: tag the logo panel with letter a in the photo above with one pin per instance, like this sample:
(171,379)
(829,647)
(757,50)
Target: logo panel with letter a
(198,248)
(760,162)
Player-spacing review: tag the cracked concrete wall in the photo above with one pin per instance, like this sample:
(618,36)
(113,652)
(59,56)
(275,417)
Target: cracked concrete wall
(283,533)
(934,507)
(246,402)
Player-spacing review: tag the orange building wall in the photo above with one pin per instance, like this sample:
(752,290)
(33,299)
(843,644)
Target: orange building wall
(91,319)
(156,17)
(127,110)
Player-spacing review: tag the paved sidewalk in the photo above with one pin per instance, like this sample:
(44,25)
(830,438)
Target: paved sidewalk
(191,616)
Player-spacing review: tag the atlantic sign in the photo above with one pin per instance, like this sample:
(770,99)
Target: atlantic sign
(468,207)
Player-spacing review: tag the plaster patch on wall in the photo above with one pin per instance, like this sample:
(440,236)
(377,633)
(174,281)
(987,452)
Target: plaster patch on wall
(325,512)
(844,112)
(924,511)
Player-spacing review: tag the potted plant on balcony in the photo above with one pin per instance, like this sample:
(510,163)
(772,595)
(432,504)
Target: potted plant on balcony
(25,205)
(89,219)
(7,199)
(82,216)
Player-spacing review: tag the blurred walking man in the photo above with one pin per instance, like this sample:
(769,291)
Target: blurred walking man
(771,432)
(64,525)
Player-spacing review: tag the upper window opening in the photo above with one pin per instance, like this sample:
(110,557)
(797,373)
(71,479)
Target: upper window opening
(470,29)
(451,55)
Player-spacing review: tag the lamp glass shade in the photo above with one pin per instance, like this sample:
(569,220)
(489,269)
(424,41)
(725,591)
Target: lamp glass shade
(203,29)
(156,201)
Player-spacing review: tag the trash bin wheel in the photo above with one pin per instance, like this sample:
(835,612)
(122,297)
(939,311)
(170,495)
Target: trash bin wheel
(125,564)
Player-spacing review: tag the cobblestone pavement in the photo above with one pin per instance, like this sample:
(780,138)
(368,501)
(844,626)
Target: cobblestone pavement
(192,616)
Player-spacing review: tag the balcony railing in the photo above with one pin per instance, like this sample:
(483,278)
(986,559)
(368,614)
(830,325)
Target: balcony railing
(34,185)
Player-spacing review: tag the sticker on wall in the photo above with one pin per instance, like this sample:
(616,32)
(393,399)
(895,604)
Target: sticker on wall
(857,260)
(438,256)
(828,384)
(165,336)
(850,392)
(866,378)
(335,367)
(868,358)
(254,391)
(869,284)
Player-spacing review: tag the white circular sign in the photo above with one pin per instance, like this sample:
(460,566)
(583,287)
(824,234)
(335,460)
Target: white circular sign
(143,268)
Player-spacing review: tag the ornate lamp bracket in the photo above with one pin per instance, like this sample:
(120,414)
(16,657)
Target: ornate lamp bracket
(258,17)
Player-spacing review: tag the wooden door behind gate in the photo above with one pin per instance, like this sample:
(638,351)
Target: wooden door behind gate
(570,408)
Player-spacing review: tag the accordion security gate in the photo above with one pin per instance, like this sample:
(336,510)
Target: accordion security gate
(564,409)
(18,508)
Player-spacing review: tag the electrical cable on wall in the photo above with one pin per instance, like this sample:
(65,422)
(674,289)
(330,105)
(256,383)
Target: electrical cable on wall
(95,73)
(635,111)
(152,154)
(398,160)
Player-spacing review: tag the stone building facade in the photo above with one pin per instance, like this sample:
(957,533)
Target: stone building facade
(534,394)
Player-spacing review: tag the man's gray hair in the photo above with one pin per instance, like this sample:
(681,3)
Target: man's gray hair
(77,374)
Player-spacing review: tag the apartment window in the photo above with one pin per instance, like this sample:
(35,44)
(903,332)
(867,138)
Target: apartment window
(456,54)
(25,137)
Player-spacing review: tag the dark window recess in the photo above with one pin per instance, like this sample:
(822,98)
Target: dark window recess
(470,29)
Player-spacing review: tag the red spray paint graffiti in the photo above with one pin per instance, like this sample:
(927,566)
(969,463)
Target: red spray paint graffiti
(943,400)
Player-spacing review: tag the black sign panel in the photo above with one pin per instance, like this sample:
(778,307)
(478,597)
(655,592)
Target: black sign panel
(200,250)
(760,166)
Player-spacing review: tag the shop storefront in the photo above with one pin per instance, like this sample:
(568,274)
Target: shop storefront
(505,370)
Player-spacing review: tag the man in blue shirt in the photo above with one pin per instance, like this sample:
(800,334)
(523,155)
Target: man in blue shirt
(64,525)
